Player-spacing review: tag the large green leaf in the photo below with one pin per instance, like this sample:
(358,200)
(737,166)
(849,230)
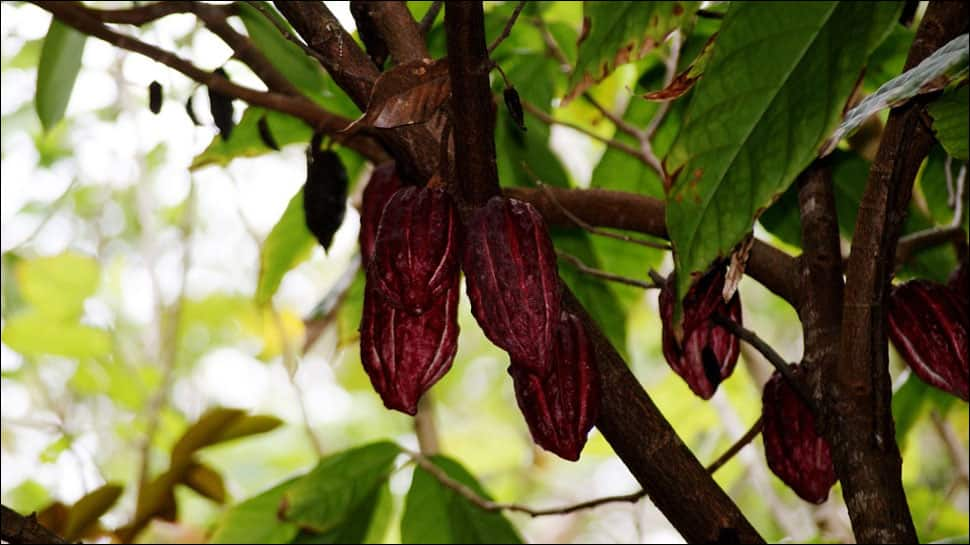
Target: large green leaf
(434,513)
(57,286)
(338,487)
(34,334)
(289,243)
(622,32)
(773,90)
(950,114)
(256,520)
(60,61)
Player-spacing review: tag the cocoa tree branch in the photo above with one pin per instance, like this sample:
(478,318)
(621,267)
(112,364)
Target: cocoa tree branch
(16,528)
(586,269)
(742,442)
(913,243)
(430,16)
(507,29)
(858,388)
(628,418)
(77,16)
(394,23)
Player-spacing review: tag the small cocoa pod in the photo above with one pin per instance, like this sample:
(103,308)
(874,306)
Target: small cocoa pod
(708,352)
(324,193)
(561,407)
(416,254)
(928,325)
(155,97)
(221,107)
(794,449)
(405,354)
(512,280)
(514,105)
(383,183)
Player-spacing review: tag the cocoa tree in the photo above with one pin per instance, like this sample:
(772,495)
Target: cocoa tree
(741,113)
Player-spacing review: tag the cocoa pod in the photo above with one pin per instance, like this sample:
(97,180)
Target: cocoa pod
(155,97)
(708,352)
(514,105)
(512,280)
(220,106)
(383,183)
(324,193)
(794,449)
(561,407)
(928,325)
(416,254)
(405,354)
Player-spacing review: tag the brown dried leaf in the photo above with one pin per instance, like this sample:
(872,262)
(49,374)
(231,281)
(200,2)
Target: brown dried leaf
(408,94)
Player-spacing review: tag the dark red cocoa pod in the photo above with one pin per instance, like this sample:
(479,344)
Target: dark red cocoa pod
(561,407)
(416,253)
(708,352)
(795,450)
(959,282)
(383,183)
(405,354)
(928,325)
(512,280)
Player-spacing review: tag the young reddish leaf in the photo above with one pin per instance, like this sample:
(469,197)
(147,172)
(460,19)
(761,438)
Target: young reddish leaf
(408,94)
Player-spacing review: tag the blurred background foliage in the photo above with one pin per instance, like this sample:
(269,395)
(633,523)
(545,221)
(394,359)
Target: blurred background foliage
(134,306)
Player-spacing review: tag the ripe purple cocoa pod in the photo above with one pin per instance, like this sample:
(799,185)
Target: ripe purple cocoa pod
(405,354)
(708,352)
(512,281)
(928,325)
(561,407)
(795,451)
(383,183)
(416,254)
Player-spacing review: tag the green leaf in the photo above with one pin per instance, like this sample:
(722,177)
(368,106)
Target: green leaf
(245,140)
(910,402)
(622,32)
(288,245)
(32,334)
(357,526)
(53,451)
(60,61)
(773,90)
(256,520)
(57,286)
(948,63)
(86,512)
(950,121)
(337,488)
(434,513)
(351,309)
(206,481)
(217,426)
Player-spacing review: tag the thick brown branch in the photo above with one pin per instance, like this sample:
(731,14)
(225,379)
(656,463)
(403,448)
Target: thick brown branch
(427,21)
(859,390)
(17,528)
(77,17)
(394,23)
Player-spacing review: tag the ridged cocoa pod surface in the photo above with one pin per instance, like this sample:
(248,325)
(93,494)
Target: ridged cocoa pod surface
(561,408)
(405,354)
(928,325)
(383,183)
(416,253)
(795,451)
(708,352)
(512,280)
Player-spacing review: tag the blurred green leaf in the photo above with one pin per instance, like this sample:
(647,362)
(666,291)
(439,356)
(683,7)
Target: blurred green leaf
(338,486)
(739,147)
(206,481)
(84,514)
(27,57)
(622,32)
(351,309)
(288,245)
(32,334)
(911,401)
(216,426)
(256,520)
(57,286)
(53,451)
(27,497)
(60,61)
(950,114)
(434,513)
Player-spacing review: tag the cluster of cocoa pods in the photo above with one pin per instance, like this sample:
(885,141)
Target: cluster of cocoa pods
(414,247)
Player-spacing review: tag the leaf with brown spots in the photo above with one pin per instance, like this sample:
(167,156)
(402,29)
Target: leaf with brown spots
(685,80)
(408,94)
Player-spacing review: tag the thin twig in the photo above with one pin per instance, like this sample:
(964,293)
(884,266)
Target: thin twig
(951,193)
(960,195)
(586,226)
(927,238)
(549,120)
(954,447)
(508,27)
(673,58)
(621,124)
(552,46)
(586,269)
(429,17)
(769,353)
(737,446)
